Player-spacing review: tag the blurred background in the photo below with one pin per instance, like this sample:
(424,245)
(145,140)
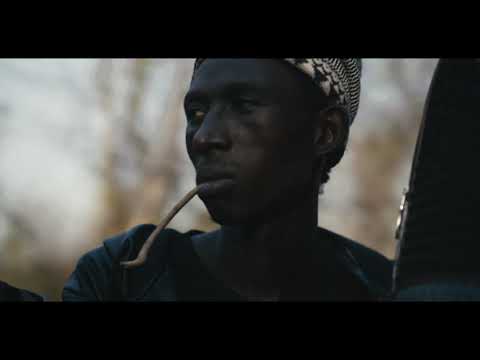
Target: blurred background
(91,147)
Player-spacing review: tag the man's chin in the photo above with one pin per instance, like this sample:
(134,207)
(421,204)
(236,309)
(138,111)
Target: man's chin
(232,217)
(222,220)
(222,216)
(224,213)
(226,210)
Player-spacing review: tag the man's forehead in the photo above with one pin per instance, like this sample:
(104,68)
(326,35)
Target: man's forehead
(265,74)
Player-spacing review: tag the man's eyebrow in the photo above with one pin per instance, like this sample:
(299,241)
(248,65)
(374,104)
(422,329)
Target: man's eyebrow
(231,88)
(193,95)
(243,86)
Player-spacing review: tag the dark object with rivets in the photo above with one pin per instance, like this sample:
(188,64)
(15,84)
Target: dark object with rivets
(439,251)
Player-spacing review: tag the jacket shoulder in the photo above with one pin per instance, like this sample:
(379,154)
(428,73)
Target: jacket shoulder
(374,268)
(98,273)
(377,267)
(9,293)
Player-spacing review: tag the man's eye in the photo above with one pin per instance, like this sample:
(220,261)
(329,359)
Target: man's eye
(199,114)
(196,115)
(244,105)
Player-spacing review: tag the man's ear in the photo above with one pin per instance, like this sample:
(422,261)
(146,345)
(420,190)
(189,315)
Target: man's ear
(330,130)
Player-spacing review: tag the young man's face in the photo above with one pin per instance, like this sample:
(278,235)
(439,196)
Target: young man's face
(248,123)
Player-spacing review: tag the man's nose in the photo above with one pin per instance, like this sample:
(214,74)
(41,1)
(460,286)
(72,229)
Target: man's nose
(212,134)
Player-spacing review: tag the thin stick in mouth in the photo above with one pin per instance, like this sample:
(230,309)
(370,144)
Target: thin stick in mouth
(143,254)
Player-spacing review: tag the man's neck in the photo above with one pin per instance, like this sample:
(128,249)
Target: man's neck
(260,259)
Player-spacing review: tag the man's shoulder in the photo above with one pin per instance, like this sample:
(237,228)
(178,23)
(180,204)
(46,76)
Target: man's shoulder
(373,261)
(99,274)
(127,244)
(9,293)
(375,268)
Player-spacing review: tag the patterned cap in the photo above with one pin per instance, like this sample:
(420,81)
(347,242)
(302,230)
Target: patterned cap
(339,79)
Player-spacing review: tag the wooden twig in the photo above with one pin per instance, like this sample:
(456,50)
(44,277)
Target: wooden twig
(143,254)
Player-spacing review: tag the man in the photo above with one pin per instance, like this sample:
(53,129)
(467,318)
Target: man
(263,135)
(438,257)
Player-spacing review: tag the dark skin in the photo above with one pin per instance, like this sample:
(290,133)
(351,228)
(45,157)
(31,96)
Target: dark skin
(255,123)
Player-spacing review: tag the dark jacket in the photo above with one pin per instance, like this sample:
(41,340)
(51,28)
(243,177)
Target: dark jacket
(11,294)
(354,272)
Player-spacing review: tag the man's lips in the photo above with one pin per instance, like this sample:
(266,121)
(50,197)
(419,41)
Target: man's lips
(215,187)
(214,184)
